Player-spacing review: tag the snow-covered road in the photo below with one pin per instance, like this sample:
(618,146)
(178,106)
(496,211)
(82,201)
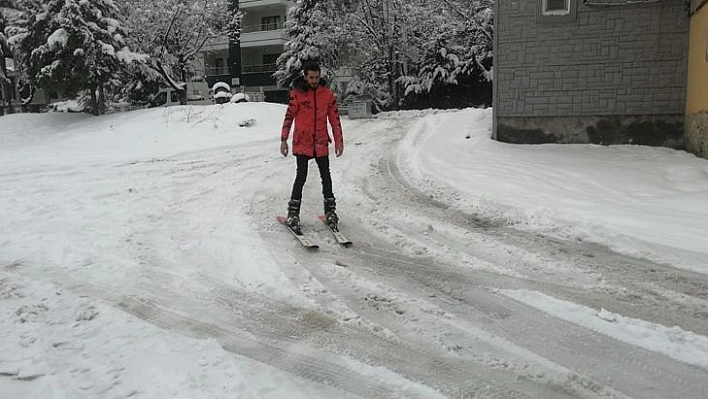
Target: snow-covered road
(140,257)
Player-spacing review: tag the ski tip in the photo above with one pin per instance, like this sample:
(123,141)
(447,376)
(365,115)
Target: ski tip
(322,218)
(280,219)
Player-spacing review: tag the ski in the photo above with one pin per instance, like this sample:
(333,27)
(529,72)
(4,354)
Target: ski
(341,239)
(300,237)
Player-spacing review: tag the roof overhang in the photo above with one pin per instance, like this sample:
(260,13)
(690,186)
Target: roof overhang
(696,4)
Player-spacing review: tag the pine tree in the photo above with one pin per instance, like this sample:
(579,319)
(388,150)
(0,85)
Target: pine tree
(474,31)
(73,47)
(313,35)
(459,49)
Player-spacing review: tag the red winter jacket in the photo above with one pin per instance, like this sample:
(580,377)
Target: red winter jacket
(310,109)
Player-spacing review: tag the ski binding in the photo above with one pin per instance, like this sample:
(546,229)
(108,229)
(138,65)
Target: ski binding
(303,239)
(341,239)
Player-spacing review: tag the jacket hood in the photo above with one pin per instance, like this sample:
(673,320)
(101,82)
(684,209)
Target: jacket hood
(300,83)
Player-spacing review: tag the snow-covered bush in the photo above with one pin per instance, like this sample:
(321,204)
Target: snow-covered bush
(240,98)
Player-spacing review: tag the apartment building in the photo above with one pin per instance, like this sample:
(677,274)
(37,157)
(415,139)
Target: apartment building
(247,66)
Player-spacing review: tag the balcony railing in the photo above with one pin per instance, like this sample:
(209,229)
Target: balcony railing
(261,3)
(262,27)
(265,68)
(217,71)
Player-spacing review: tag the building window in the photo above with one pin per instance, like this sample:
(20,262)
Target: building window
(219,66)
(270,23)
(269,59)
(556,11)
(556,7)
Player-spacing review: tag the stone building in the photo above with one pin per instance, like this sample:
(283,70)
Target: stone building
(592,71)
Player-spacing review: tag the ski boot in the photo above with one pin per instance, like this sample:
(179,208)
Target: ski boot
(331,218)
(293,219)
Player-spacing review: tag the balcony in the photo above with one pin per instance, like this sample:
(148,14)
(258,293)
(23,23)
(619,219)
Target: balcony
(258,75)
(265,68)
(264,27)
(245,4)
(260,39)
(217,71)
(216,44)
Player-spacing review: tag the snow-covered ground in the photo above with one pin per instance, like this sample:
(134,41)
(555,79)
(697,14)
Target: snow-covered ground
(139,257)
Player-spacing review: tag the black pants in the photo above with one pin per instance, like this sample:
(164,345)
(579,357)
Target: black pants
(301,177)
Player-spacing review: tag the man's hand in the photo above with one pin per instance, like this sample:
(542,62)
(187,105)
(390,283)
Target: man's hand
(284,148)
(338,151)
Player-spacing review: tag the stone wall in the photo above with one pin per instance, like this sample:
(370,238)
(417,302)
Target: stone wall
(697,133)
(574,78)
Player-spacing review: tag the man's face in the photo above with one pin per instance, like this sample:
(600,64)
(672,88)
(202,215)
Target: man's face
(313,78)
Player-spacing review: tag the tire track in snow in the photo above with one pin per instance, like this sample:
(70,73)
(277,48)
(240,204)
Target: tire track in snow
(631,286)
(429,315)
(293,339)
(466,295)
(387,187)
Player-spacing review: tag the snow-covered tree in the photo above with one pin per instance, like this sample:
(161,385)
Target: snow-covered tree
(8,9)
(456,55)
(315,33)
(462,46)
(413,47)
(385,32)
(73,47)
(173,32)
(5,83)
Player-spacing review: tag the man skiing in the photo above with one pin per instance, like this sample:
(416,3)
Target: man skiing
(311,105)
